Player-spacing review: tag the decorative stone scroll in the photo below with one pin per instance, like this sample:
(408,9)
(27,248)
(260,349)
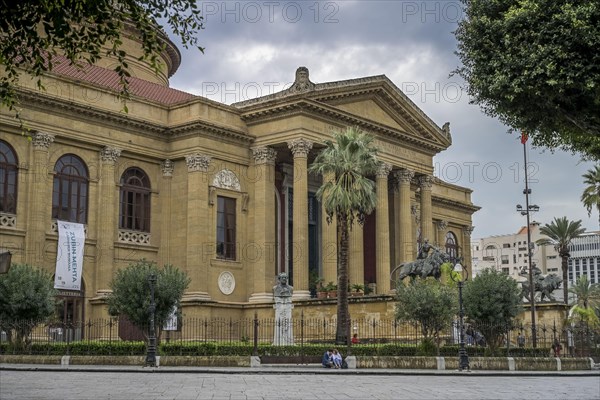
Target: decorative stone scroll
(442,225)
(226,179)
(300,147)
(197,162)
(42,140)
(468,230)
(302,82)
(245,199)
(226,282)
(415,212)
(264,155)
(167,167)
(109,154)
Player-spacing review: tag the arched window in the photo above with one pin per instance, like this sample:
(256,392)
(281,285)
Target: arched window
(70,190)
(8,178)
(134,210)
(451,245)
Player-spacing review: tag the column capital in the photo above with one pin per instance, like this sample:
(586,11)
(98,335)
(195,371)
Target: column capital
(426,182)
(442,225)
(110,155)
(264,155)
(42,140)
(384,170)
(404,176)
(197,162)
(300,147)
(167,167)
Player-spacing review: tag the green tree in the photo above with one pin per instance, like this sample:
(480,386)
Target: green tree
(131,292)
(560,233)
(587,293)
(534,65)
(348,196)
(429,303)
(85,31)
(591,194)
(27,297)
(492,300)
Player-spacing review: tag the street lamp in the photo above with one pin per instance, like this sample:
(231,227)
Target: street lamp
(151,352)
(463,357)
(528,209)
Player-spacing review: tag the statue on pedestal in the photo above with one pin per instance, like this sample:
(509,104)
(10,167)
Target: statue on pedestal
(282,294)
(545,285)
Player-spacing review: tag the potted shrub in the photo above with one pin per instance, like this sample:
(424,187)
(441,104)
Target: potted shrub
(357,289)
(331,290)
(321,289)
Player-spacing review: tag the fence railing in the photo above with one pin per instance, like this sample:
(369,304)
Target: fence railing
(114,336)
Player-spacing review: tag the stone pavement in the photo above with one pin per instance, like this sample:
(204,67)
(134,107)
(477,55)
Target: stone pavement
(33,382)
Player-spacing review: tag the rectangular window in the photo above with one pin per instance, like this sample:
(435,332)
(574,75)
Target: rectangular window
(226,228)
(506,245)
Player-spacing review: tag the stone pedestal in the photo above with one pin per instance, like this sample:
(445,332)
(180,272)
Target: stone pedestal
(284,329)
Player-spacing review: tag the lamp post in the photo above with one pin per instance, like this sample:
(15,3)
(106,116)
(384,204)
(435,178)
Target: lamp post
(526,211)
(151,352)
(463,357)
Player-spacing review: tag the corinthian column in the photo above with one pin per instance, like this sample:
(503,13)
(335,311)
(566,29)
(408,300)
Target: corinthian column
(404,243)
(382,270)
(108,212)
(300,149)
(197,226)
(39,192)
(426,182)
(264,223)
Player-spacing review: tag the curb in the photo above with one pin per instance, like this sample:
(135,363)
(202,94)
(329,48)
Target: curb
(289,370)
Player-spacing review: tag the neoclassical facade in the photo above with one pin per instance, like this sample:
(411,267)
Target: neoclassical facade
(221,191)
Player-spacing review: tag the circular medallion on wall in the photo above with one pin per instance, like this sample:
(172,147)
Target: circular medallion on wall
(226,282)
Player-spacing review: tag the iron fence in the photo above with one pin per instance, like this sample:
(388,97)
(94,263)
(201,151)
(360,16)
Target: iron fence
(249,336)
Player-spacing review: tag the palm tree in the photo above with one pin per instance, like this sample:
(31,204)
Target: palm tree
(591,194)
(349,195)
(560,233)
(588,301)
(588,294)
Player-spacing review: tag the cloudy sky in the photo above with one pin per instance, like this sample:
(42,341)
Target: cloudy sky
(253,48)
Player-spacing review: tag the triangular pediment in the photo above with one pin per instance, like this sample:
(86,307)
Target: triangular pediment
(373,102)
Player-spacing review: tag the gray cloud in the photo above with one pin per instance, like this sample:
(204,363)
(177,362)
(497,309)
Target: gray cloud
(254,48)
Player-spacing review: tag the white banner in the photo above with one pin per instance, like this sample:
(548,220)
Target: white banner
(69,256)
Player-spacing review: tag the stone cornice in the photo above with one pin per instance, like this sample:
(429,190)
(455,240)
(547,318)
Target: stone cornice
(212,130)
(457,205)
(322,110)
(136,125)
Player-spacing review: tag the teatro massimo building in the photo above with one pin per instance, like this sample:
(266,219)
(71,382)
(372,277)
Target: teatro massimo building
(220,191)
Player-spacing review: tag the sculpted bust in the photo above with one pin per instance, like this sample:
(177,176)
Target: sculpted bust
(282,289)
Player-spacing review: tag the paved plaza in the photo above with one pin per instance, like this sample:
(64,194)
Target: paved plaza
(124,384)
